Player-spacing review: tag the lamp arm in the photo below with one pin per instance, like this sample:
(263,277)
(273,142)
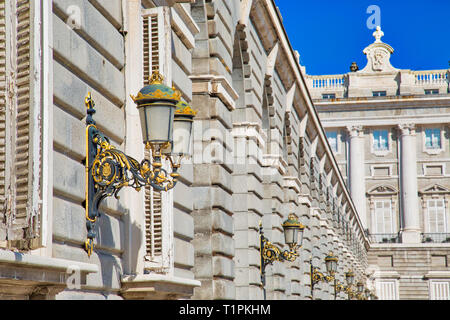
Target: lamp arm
(316,276)
(271,253)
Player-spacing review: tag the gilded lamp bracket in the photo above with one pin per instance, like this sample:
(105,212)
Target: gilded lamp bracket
(108,170)
(317,276)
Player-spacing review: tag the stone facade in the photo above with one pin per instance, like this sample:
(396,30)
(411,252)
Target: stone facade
(259,154)
(390,135)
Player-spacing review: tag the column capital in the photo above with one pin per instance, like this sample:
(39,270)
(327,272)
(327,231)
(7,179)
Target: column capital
(407,128)
(355,130)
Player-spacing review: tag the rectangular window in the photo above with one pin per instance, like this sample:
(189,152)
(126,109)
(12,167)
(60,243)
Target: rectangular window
(379,93)
(387,290)
(380,140)
(439,290)
(329,96)
(333,140)
(433,138)
(437,220)
(431,91)
(384,222)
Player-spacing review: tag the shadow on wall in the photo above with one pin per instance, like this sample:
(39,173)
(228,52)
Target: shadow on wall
(115,256)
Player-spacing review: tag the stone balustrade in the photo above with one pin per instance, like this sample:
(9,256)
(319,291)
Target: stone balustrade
(354,84)
(328,81)
(431,77)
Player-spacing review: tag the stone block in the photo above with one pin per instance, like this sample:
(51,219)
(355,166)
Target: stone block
(181,81)
(181,54)
(182,197)
(69,134)
(101,34)
(69,92)
(223,267)
(111,9)
(183,224)
(222,244)
(222,221)
(216,28)
(89,63)
(70,180)
(183,253)
(223,290)
(219,50)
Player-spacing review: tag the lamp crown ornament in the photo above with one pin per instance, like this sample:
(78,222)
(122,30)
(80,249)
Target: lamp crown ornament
(156,78)
(156,91)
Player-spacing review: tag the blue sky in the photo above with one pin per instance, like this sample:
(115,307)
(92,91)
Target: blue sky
(330,34)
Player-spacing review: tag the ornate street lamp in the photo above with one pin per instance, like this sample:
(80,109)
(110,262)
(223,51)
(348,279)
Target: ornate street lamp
(367,294)
(269,253)
(317,276)
(331,262)
(360,290)
(350,278)
(166,125)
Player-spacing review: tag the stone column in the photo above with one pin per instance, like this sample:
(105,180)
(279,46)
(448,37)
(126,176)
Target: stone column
(356,172)
(408,184)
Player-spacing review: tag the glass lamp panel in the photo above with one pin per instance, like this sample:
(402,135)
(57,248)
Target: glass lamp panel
(289,235)
(350,279)
(334,266)
(360,287)
(331,266)
(328,266)
(300,237)
(156,123)
(182,130)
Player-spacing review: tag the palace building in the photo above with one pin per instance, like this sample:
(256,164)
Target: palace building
(268,151)
(389,131)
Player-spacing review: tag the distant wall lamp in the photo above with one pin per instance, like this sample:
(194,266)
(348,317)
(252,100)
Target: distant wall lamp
(166,124)
(316,276)
(350,278)
(269,253)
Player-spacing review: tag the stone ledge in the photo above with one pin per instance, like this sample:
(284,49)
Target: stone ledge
(34,261)
(437,275)
(157,287)
(28,276)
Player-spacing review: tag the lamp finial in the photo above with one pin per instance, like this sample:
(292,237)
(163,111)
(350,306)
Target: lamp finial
(156,78)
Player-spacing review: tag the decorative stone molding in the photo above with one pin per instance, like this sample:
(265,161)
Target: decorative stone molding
(27,276)
(382,190)
(407,129)
(434,189)
(378,55)
(215,86)
(157,287)
(355,131)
